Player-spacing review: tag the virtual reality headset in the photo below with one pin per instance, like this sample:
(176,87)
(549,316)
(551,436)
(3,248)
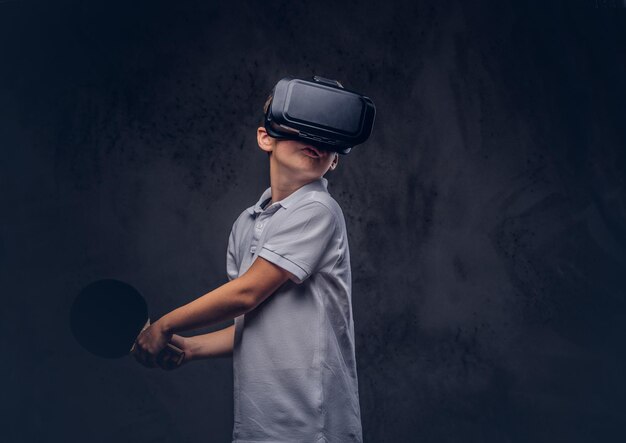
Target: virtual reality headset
(321,112)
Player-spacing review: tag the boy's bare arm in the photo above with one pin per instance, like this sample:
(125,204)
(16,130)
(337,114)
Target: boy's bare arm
(214,344)
(228,301)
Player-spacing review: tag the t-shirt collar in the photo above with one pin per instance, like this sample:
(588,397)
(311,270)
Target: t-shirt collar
(320,184)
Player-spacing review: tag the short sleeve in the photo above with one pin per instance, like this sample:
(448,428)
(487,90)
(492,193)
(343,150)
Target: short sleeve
(301,239)
(232,266)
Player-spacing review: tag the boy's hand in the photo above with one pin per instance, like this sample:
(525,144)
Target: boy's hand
(166,360)
(149,344)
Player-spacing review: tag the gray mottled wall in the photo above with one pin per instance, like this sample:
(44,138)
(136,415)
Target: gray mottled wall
(486,215)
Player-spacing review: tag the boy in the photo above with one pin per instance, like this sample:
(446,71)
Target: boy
(289,292)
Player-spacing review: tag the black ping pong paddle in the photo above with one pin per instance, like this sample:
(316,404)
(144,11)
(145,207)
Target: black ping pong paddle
(108,315)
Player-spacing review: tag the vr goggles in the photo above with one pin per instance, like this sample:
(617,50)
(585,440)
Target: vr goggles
(321,112)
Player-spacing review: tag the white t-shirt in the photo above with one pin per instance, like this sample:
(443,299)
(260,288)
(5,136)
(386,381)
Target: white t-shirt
(294,367)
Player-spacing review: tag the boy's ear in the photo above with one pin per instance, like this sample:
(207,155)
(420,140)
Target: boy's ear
(333,165)
(265,141)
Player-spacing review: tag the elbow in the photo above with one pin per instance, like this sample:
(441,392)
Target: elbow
(247,295)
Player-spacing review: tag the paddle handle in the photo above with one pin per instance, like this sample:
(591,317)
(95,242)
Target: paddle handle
(178,353)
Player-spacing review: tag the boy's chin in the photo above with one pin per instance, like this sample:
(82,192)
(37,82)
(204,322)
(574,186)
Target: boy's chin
(302,173)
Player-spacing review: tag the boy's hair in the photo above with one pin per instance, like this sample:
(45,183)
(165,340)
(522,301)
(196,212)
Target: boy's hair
(266,106)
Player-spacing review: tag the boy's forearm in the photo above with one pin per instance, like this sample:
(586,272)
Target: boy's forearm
(222,304)
(214,344)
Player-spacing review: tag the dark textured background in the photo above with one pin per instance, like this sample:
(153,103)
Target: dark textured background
(486,215)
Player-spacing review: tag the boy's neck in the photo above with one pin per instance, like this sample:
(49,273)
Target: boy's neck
(283,190)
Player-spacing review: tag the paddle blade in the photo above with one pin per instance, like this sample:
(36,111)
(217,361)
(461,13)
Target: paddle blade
(107,316)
